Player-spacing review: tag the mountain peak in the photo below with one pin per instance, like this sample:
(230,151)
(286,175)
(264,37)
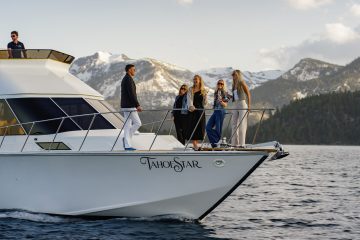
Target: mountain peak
(308,69)
(125,57)
(355,63)
(311,60)
(102,56)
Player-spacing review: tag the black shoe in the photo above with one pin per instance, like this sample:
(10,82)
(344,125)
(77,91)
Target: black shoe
(130,149)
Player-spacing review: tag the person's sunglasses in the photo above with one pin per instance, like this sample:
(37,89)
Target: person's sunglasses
(13,36)
(182,88)
(220,83)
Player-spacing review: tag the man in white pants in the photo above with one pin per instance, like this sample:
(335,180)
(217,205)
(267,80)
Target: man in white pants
(130,105)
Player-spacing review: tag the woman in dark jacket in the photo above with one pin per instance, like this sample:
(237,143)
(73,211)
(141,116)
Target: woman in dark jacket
(181,116)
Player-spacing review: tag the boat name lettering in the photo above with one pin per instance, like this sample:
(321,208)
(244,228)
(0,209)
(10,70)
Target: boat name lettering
(176,164)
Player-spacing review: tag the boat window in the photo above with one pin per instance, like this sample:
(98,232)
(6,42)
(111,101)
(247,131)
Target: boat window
(8,121)
(78,106)
(114,118)
(29,110)
(53,145)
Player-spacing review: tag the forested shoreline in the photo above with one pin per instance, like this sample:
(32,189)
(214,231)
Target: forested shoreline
(332,119)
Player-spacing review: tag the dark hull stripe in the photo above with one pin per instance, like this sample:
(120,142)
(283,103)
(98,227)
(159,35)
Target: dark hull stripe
(233,188)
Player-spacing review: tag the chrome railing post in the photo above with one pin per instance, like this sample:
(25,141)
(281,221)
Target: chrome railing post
(87,132)
(5,132)
(158,131)
(192,134)
(27,137)
(228,127)
(57,131)
(152,127)
(117,138)
(171,128)
(258,127)
(205,135)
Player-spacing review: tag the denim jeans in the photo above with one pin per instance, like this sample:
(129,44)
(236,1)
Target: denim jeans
(216,120)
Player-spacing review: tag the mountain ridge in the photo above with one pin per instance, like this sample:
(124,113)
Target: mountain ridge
(291,86)
(157,81)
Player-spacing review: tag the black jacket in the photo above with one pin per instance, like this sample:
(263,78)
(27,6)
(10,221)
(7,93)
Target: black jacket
(128,93)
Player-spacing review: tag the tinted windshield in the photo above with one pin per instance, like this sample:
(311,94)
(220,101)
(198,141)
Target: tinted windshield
(38,109)
(7,118)
(56,112)
(78,106)
(103,107)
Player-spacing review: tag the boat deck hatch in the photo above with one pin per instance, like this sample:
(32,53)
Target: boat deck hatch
(53,145)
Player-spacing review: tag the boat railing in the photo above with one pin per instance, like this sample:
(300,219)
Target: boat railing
(166,118)
(30,54)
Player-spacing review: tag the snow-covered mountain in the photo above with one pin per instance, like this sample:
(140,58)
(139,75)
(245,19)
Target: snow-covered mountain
(157,82)
(253,79)
(308,77)
(308,69)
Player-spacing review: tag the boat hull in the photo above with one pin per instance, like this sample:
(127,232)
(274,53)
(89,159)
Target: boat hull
(127,184)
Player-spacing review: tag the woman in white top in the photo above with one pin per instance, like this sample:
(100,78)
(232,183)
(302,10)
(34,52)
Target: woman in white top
(240,93)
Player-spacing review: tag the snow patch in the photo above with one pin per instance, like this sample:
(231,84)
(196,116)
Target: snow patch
(299,95)
(165,64)
(343,88)
(103,57)
(253,79)
(84,76)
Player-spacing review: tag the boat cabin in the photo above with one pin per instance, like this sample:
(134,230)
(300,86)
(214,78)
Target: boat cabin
(42,103)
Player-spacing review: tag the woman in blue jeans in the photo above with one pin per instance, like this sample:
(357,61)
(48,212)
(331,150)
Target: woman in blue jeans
(214,125)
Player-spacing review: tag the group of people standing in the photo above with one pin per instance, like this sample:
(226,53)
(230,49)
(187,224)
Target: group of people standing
(189,115)
(189,110)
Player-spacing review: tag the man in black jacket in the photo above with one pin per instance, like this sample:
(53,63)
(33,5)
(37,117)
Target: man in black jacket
(130,105)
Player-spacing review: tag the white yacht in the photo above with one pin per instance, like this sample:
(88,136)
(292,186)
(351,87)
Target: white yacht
(61,152)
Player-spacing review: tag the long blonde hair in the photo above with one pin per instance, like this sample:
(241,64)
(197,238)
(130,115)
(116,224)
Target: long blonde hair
(202,85)
(238,79)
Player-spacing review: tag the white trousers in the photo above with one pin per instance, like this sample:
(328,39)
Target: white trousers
(132,125)
(238,132)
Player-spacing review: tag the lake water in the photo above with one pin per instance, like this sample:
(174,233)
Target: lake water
(312,194)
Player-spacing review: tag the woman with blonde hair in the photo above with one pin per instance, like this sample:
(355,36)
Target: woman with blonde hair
(240,93)
(197,100)
(214,125)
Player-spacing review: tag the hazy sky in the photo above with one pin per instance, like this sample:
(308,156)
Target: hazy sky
(195,34)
